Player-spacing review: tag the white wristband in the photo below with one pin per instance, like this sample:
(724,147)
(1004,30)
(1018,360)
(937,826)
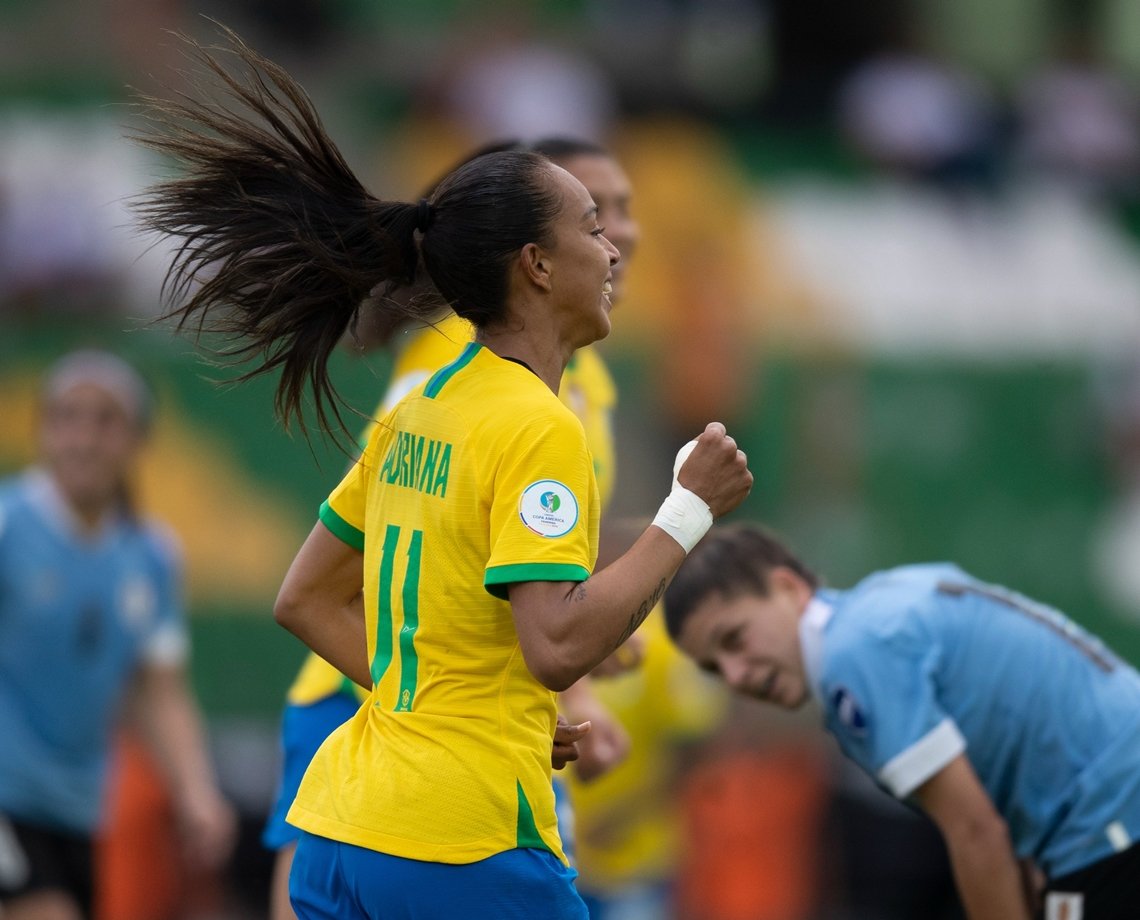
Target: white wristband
(684,516)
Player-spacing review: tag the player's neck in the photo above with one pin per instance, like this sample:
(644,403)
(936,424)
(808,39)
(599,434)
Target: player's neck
(546,361)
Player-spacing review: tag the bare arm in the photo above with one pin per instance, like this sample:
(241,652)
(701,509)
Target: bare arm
(322,604)
(169,722)
(566,629)
(984,864)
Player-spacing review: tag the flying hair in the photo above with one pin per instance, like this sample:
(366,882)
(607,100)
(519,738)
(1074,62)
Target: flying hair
(278,242)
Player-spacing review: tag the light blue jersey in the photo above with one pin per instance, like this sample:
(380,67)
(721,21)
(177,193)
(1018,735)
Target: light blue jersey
(917,665)
(77,617)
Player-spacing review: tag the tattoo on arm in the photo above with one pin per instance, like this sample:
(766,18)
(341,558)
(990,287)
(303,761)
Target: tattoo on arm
(643,611)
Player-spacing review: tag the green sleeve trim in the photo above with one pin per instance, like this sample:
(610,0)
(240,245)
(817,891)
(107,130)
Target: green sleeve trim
(498,578)
(445,373)
(340,528)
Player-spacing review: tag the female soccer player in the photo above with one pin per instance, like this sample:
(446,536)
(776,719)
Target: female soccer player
(90,620)
(321,698)
(1013,728)
(471,518)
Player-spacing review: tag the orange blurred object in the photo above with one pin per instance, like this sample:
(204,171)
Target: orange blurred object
(138,866)
(752,835)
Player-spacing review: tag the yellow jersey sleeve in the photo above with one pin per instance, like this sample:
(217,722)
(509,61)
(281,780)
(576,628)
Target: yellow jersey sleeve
(343,512)
(544,511)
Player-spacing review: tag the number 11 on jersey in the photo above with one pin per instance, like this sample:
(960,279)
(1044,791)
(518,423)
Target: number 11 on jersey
(410,608)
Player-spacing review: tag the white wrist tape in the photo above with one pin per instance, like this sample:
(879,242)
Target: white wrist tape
(682,456)
(684,516)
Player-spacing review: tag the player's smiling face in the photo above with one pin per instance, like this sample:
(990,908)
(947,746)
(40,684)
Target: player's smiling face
(753,642)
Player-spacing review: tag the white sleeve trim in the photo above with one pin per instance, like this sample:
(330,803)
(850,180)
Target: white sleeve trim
(905,772)
(168,646)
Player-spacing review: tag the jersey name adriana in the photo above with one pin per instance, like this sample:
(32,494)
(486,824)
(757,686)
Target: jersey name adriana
(479,479)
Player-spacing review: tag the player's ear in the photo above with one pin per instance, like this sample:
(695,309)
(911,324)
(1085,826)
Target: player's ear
(783,581)
(535,264)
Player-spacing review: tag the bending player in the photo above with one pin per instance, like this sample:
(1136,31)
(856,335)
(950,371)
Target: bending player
(1013,728)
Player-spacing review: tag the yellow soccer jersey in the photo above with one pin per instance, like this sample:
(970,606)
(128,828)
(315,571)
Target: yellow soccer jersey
(476,481)
(588,389)
(424,351)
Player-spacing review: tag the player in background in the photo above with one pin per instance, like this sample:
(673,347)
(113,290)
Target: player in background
(91,630)
(321,698)
(589,391)
(470,519)
(1013,728)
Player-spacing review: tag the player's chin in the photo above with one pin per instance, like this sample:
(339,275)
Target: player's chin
(604,326)
(789,694)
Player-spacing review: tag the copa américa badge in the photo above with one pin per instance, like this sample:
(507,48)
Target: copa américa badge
(548,508)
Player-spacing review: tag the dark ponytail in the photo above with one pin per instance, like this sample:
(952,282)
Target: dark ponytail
(278,242)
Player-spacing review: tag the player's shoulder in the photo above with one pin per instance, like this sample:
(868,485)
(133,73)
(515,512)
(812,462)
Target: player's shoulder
(433,346)
(10,496)
(20,495)
(895,593)
(517,399)
(159,543)
(887,610)
(494,400)
(12,489)
(536,413)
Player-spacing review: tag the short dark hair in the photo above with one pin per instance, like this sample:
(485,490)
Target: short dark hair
(732,561)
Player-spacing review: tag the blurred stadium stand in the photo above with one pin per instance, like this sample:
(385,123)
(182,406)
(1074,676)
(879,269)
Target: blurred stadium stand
(916,371)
